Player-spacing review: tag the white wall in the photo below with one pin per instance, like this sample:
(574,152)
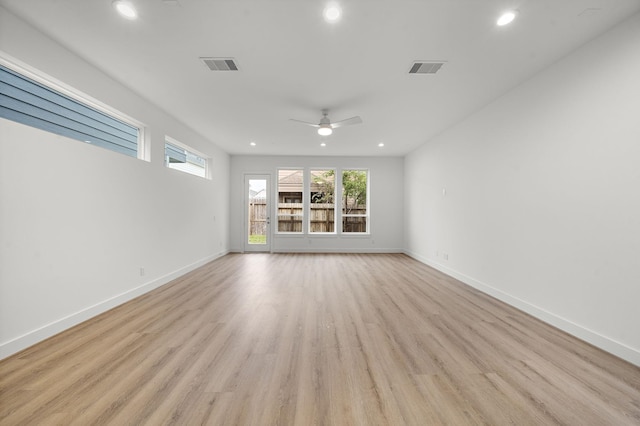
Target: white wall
(77,222)
(542,204)
(386,203)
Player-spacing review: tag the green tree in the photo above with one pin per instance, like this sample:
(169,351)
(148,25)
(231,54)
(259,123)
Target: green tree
(326,184)
(354,189)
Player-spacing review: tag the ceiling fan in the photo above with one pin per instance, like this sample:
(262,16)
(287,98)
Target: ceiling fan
(325,127)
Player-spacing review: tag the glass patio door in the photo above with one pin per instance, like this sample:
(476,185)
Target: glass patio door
(257,213)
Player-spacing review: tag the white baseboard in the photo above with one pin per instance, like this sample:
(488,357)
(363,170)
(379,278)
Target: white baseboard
(605,343)
(22,342)
(337,250)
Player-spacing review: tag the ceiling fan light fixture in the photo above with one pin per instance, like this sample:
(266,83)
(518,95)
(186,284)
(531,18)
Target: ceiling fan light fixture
(325,130)
(125,9)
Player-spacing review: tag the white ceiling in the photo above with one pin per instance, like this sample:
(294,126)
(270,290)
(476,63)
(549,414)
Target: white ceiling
(293,64)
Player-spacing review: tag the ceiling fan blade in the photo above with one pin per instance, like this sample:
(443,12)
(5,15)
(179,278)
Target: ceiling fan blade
(347,122)
(304,122)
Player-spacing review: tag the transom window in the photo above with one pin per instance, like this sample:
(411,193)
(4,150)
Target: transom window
(44,106)
(179,157)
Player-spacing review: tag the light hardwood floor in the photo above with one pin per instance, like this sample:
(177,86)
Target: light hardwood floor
(322,339)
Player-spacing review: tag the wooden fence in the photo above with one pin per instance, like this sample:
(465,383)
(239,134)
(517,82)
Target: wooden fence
(322,218)
(258,217)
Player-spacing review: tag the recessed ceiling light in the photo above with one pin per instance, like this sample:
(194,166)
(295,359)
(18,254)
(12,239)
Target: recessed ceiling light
(380,144)
(125,9)
(332,13)
(323,144)
(252,143)
(506,18)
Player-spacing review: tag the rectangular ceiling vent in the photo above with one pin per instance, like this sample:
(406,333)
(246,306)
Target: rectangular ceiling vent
(220,64)
(426,67)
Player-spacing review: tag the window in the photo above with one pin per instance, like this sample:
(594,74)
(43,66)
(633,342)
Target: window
(290,207)
(311,207)
(322,207)
(29,102)
(179,158)
(355,211)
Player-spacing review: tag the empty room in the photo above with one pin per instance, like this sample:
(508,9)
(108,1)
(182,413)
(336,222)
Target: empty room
(351,212)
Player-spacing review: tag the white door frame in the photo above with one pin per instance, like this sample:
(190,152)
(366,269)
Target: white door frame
(257,247)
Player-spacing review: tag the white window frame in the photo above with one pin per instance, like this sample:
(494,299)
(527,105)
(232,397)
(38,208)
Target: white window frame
(367,216)
(63,88)
(304,191)
(335,198)
(188,149)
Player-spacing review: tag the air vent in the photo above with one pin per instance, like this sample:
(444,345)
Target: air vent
(425,67)
(220,64)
